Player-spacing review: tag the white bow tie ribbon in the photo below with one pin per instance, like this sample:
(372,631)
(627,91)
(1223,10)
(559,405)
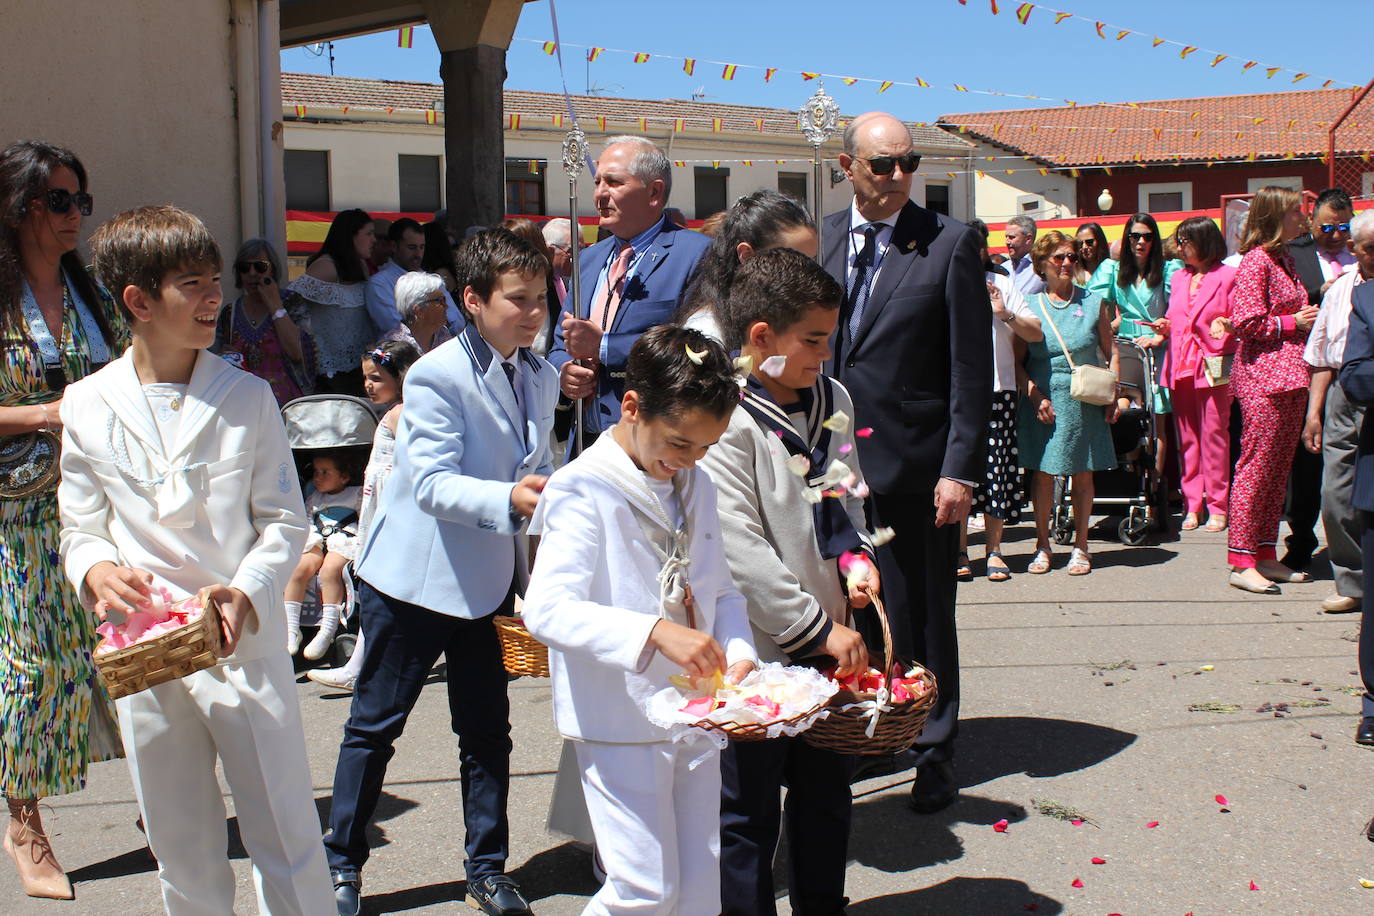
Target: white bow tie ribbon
(177,494)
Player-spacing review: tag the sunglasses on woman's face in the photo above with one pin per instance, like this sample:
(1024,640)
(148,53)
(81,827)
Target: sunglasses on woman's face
(1087,243)
(60,201)
(883,165)
(257,267)
(1140,237)
(1063,257)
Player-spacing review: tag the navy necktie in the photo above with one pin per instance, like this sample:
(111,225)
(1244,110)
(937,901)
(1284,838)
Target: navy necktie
(510,377)
(863,278)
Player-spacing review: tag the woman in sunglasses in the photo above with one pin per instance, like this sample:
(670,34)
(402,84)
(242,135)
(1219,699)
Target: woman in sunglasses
(56,325)
(1091,245)
(1138,285)
(265,331)
(1057,434)
(334,286)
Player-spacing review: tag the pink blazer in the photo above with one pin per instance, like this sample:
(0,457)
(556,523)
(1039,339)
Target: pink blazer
(1266,297)
(1190,324)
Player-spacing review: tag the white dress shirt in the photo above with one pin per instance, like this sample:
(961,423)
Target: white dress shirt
(1326,342)
(1003,357)
(857,222)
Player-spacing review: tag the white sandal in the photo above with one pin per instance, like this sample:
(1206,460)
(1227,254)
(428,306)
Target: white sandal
(1080,564)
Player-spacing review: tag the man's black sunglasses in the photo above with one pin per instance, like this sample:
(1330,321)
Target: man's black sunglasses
(883,165)
(1328,228)
(60,201)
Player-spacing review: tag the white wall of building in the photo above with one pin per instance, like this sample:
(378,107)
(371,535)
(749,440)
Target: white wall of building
(1025,192)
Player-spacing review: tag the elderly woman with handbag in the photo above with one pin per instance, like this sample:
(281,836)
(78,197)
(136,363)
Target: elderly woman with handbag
(1070,398)
(55,327)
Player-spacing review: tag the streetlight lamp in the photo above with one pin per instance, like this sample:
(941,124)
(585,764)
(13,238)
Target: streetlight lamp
(818,118)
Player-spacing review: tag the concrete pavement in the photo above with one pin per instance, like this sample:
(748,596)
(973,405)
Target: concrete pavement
(1077,695)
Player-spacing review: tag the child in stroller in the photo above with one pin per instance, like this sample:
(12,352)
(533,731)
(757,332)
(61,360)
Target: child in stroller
(332,507)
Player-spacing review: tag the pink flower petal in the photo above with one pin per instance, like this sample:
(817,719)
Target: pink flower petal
(1077,882)
(1221,800)
(1098,860)
(864,433)
(1000,826)
(1254,886)
(1076,822)
(846,448)
(1152,824)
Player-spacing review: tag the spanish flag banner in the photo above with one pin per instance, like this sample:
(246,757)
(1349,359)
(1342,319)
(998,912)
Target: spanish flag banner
(601,123)
(922,83)
(1189,49)
(300,111)
(1218,59)
(689,65)
(593,54)
(848,80)
(643,124)
(550,47)
(1100,26)
(1270,71)
(1023,12)
(717,124)
(758,122)
(1060,17)
(405,38)
(515,122)
(1249,64)
(749,162)
(1156,42)
(679,124)
(641,58)
(1122,34)
(432,117)
(886,85)
(729,72)
(809,76)
(557,120)
(1300,77)
(768,74)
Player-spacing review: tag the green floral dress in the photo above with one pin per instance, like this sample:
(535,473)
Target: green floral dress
(48,685)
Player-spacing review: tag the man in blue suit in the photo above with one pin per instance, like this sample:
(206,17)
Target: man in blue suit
(441,558)
(631,280)
(1357,380)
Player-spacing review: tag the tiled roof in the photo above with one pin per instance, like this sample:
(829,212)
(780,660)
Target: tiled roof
(621,114)
(1263,125)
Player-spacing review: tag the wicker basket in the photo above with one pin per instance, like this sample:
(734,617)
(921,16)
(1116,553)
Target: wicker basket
(172,655)
(846,730)
(753,731)
(524,655)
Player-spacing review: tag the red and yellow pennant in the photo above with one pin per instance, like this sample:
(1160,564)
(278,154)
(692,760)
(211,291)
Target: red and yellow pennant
(729,72)
(1270,71)
(768,74)
(405,38)
(514,122)
(1300,77)
(1100,26)
(689,65)
(1188,49)
(432,117)
(717,124)
(758,122)
(300,111)
(848,80)
(557,120)
(601,123)
(641,58)
(643,125)
(1156,42)
(1122,34)
(922,83)
(550,47)
(594,53)
(679,125)
(1218,59)
(1249,63)
(886,85)
(1060,17)
(1023,12)
(809,76)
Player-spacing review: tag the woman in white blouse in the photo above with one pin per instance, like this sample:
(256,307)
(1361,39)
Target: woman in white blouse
(334,284)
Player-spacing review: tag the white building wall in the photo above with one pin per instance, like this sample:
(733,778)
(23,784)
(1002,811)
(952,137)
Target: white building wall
(1025,192)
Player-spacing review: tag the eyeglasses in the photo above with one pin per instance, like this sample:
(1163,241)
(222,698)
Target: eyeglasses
(1140,237)
(437,300)
(257,267)
(60,201)
(1064,257)
(1087,243)
(1328,228)
(883,165)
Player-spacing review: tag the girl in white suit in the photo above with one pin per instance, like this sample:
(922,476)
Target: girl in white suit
(630,587)
(178,475)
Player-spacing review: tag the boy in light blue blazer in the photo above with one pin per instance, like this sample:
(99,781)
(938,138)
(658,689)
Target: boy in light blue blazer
(472,455)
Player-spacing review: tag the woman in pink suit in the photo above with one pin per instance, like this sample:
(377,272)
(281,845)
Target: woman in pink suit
(1271,318)
(1196,369)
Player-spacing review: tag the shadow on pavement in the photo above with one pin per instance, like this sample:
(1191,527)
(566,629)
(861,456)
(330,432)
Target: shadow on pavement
(1133,556)
(565,869)
(994,746)
(959,897)
(412,898)
(134,862)
(880,818)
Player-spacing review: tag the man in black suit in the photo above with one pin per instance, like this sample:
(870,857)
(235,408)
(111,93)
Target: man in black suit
(1321,256)
(1357,380)
(914,348)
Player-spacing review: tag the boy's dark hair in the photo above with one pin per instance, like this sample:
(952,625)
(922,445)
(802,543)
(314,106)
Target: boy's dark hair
(394,357)
(401,227)
(141,247)
(776,286)
(669,382)
(484,256)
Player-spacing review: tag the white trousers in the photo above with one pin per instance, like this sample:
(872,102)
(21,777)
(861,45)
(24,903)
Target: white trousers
(657,827)
(248,716)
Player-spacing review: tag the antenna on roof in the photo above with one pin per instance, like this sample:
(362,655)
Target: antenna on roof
(319,48)
(699,93)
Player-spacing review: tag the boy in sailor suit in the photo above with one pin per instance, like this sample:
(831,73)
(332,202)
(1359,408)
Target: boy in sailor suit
(176,474)
(783,548)
(624,528)
(440,559)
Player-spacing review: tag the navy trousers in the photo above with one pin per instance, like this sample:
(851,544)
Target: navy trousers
(1367,614)
(404,641)
(817,814)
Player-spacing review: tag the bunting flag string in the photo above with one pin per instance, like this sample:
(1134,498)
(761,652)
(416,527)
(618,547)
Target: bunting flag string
(882,85)
(1023,13)
(405,37)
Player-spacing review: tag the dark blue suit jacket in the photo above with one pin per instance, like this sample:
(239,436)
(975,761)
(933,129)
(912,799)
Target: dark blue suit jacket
(1357,378)
(651,296)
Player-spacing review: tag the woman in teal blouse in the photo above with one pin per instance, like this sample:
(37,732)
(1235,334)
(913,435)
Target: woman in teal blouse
(1138,285)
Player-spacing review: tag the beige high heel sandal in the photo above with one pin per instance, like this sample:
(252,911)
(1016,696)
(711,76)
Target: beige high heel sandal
(28,845)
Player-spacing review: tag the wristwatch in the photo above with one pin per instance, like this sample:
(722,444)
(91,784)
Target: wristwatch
(279,313)
(1007,320)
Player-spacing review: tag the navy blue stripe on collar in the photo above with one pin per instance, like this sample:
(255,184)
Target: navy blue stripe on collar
(477,347)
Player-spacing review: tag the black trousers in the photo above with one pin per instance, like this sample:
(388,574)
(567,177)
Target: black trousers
(816,815)
(917,569)
(1367,614)
(403,643)
(1304,503)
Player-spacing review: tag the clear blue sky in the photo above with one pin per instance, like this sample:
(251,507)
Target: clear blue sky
(937,40)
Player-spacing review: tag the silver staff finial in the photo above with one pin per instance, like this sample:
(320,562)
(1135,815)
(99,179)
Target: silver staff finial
(819,116)
(574,152)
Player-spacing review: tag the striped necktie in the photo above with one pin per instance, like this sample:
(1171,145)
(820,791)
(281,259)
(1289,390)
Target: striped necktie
(863,278)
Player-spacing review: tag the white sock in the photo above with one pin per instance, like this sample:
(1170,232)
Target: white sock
(355,661)
(293,626)
(329,625)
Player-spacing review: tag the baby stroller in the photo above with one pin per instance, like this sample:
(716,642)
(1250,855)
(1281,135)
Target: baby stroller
(330,422)
(1136,484)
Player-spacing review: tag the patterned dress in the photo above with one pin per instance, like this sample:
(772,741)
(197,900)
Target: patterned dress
(48,684)
(339,321)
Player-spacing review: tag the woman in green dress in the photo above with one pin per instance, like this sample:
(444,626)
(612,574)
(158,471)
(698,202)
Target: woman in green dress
(1138,285)
(1056,434)
(55,327)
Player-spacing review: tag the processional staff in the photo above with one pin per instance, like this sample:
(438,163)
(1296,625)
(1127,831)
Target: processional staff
(575,155)
(817,119)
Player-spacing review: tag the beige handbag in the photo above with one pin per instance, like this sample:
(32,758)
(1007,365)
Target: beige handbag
(1090,384)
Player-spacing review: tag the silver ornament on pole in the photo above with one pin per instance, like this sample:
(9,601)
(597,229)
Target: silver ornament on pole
(575,155)
(818,118)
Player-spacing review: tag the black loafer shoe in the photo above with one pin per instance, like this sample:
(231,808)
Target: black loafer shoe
(497,895)
(1364,734)
(1297,559)
(348,891)
(934,789)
